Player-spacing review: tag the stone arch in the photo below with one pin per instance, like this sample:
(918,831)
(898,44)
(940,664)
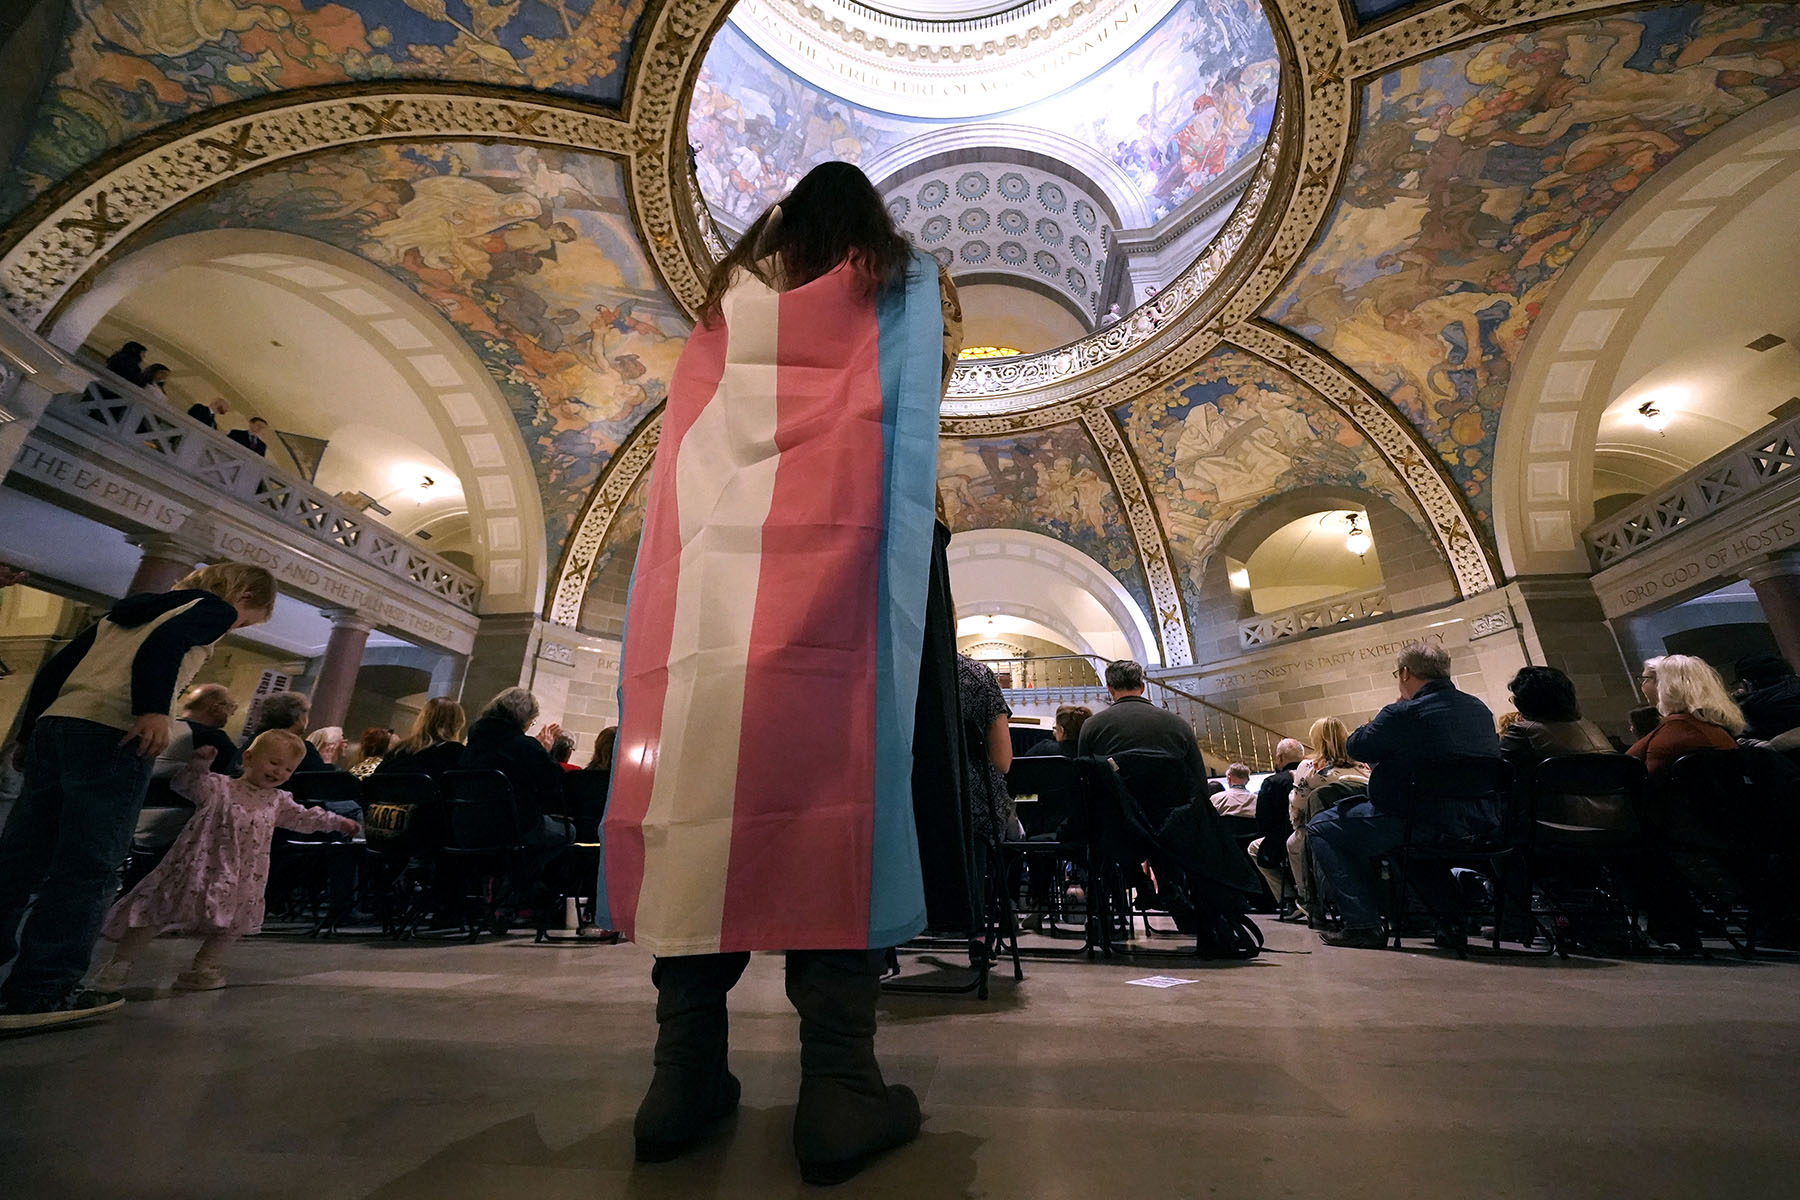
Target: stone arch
(1413,571)
(1056,586)
(1569,369)
(472,417)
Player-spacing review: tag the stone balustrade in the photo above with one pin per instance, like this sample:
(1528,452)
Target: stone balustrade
(1768,457)
(1329,613)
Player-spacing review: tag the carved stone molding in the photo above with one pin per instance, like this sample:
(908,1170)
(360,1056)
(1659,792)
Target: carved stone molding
(49,258)
(1414,463)
(662,180)
(622,473)
(1435,30)
(1170,618)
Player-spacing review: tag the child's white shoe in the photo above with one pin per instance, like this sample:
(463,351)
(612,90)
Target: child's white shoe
(200,979)
(111,977)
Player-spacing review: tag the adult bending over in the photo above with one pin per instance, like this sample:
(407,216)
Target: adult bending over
(781,586)
(95,720)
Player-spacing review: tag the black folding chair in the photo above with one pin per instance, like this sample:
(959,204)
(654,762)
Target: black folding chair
(1054,803)
(406,823)
(584,801)
(1458,814)
(1159,784)
(1583,837)
(576,873)
(1739,809)
(485,840)
(319,868)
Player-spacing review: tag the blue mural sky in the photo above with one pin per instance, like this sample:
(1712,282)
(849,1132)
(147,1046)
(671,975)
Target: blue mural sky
(1174,112)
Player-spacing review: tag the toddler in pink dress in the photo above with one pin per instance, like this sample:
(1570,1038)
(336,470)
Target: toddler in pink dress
(212,881)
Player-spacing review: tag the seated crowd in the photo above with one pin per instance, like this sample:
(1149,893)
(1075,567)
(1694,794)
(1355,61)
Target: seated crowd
(107,769)
(1322,827)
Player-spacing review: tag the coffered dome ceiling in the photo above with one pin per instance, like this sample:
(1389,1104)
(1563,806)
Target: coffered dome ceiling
(1355,217)
(1129,114)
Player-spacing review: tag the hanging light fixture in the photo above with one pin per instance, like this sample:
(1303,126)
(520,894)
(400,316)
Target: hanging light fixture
(1358,541)
(1652,416)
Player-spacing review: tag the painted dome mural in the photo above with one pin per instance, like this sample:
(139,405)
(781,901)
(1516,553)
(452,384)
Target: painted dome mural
(1170,113)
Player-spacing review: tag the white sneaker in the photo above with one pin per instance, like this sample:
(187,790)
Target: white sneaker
(111,977)
(200,979)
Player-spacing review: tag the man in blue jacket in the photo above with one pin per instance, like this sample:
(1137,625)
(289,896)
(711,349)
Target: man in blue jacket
(1432,721)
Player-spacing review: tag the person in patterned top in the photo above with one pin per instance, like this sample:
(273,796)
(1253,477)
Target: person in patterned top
(212,881)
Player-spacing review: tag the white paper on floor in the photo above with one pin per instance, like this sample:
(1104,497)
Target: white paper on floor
(1161,981)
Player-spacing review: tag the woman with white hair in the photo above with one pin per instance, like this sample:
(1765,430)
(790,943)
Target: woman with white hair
(1697,714)
(499,741)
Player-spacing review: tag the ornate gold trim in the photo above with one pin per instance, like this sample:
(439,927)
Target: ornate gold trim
(1170,617)
(1379,49)
(575,568)
(87,223)
(1413,462)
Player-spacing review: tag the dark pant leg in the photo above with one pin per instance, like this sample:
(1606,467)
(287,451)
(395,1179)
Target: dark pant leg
(1344,843)
(102,786)
(693,1087)
(846,1110)
(29,840)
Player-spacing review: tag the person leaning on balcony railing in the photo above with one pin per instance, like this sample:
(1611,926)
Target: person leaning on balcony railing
(127,362)
(155,375)
(95,720)
(209,412)
(252,438)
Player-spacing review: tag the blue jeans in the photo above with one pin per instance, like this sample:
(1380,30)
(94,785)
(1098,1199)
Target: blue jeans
(64,842)
(1346,843)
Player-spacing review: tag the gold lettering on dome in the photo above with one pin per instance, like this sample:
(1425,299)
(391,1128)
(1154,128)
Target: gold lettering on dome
(1727,556)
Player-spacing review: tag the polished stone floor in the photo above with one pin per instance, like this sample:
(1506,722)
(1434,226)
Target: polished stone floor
(434,1071)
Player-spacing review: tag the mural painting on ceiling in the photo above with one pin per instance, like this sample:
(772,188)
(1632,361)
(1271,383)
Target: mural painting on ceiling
(1047,481)
(1233,434)
(531,256)
(610,577)
(129,66)
(1479,174)
(1194,96)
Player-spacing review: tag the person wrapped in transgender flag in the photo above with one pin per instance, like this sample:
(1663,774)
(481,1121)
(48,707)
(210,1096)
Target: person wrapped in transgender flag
(761,793)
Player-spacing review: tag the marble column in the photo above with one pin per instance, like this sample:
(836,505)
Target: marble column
(164,562)
(339,666)
(1776,581)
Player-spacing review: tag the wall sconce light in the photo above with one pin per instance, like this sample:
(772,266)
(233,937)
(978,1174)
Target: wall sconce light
(1358,541)
(1652,416)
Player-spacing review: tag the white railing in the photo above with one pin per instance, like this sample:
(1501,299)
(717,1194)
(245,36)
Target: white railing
(142,428)
(1268,628)
(1767,456)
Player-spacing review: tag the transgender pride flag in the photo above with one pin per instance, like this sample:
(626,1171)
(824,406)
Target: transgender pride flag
(761,789)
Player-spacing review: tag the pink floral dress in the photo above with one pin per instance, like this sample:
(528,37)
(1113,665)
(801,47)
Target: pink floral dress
(213,878)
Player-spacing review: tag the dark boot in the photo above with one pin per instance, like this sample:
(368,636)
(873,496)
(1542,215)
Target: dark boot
(692,1089)
(846,1114)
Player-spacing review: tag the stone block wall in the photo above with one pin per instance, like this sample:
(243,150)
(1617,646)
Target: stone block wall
(1348,674)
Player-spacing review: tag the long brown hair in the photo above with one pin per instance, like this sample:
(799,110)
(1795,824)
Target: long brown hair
(833,215)
(441,720)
